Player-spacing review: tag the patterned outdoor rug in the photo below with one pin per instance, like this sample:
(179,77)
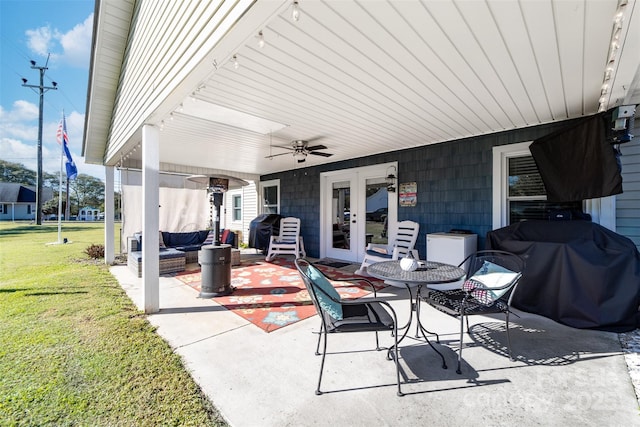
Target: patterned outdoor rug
(272,295)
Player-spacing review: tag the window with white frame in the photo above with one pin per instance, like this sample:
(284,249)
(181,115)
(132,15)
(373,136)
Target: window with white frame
(271,196)
(518,191)
(527,197)
(237,208)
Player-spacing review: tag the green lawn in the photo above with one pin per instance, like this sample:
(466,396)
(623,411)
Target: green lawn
(74,350)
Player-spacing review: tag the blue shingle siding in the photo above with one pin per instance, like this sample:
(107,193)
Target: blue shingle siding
(453,178)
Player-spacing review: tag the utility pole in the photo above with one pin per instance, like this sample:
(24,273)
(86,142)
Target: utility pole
(41,90)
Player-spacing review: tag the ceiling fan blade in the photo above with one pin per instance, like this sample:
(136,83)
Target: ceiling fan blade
(317,153)
(317,147)
(275,155)
(283,146)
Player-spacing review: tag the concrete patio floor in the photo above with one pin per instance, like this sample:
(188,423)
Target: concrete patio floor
(561,376)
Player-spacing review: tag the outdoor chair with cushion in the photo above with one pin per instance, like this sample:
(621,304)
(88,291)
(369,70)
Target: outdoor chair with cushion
(492,278)
(403,244)
(288,242)
(344,316)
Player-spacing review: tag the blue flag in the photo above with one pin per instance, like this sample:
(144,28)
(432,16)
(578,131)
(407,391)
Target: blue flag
(63,139)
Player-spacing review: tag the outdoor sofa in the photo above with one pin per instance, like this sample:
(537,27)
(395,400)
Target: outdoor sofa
(177,249)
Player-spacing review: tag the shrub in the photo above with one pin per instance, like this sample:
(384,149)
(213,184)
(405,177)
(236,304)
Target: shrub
(95,251)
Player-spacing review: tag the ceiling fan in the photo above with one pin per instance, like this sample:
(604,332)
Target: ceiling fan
(300,149)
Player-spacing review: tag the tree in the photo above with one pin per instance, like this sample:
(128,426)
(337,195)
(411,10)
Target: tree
(17,173)
(88,191)
(53,180)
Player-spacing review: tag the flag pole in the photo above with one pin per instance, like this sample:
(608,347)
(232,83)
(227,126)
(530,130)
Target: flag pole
(60,192)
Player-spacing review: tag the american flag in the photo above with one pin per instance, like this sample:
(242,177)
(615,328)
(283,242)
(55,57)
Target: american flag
(63,139)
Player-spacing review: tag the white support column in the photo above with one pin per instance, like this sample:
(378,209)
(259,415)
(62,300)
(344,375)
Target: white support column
(150,219)
(109,239)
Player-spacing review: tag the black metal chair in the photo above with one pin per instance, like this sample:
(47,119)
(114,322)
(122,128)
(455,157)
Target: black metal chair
(343,316)
(492,278)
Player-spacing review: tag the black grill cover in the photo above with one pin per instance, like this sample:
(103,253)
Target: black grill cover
(577,273)
(262,228)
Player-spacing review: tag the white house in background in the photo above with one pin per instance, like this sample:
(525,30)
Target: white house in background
(88,214)
(18,202)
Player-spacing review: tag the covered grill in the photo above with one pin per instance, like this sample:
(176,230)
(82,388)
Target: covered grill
(261,229)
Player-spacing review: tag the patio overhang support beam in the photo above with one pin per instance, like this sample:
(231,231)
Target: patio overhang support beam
(150,219)
(109,239)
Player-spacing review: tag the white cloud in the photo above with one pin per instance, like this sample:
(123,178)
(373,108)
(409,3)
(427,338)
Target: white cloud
(16,151)
(19,138)
(18,122)
(40,40)
(22,110)
(75,44)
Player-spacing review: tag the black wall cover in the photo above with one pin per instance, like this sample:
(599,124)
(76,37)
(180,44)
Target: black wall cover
(577,163)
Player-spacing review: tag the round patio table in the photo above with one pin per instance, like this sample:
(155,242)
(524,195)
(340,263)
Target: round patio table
(427,273)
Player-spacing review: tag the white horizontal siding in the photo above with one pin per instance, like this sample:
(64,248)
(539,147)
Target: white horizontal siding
(167,39)
(628,203)
(249,209)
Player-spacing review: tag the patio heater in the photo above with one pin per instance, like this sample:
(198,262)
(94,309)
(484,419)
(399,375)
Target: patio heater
(217,185)
(215,259)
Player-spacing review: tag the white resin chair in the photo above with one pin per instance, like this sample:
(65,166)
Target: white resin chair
(403,244)
(289,242)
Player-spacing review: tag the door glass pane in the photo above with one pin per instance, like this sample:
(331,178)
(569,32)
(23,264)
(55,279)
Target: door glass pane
(377,211)
(341,208)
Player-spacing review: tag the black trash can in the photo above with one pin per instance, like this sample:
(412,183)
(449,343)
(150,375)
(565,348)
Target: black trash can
(216,270)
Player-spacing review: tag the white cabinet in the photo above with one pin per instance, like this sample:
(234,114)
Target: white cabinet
(450,248)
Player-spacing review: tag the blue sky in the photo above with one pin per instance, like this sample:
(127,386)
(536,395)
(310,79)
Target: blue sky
(30,30)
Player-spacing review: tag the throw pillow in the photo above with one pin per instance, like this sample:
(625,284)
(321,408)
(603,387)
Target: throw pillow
(210,238)
(225,236)
(334,309)
(486,280)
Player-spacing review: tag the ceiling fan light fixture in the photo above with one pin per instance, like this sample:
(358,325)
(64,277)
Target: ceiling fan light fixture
(260,40)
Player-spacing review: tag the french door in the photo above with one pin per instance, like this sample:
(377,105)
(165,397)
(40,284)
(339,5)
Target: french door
(347,196)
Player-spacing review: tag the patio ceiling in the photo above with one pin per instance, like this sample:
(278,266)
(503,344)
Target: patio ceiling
(375,76)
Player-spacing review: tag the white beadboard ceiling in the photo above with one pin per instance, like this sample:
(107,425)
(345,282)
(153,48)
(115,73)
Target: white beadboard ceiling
(366,77)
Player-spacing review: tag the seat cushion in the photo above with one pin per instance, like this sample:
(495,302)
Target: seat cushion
(172,239)
(188,248)
(485,283)
(361,318)
(333,308)
(167,253)
(450,302)
(379,254)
